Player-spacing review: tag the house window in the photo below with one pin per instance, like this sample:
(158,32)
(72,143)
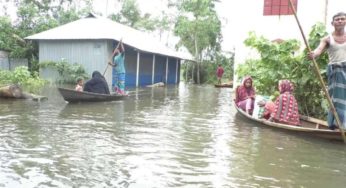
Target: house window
(278,7)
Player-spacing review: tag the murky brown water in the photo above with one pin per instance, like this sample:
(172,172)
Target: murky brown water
(184,136)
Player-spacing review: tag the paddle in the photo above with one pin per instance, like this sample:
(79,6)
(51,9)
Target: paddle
(110,58)
(317,71)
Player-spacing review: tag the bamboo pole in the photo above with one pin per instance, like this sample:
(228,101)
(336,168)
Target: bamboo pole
(110,58)
(317,70)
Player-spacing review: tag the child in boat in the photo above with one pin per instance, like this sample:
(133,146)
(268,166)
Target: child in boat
(267,108)
(79,86)
(285,106)
(245,95)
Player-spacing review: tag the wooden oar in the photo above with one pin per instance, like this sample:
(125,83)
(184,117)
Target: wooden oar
(110,58)
(317,70)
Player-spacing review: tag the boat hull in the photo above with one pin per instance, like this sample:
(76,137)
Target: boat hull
(73,96)
(309,126)
(223,85)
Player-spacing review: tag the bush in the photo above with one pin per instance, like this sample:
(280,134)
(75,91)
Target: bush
(68,73)
(21,76)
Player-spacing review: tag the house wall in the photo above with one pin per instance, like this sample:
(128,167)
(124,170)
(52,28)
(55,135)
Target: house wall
(7,63)
(160,69)
(309,12)
(94,55)
(131,67)
(146,69)
(91,54)
(172,70)
(4,61)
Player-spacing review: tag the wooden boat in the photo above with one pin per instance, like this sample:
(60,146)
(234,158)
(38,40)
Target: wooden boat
(309,126)
(71,95)
(229,85)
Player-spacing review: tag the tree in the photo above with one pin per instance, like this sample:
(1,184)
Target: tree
(130,15)
(34,16)
(199,29)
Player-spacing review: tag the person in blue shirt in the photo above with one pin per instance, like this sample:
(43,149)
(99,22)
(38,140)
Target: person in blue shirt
(119,68)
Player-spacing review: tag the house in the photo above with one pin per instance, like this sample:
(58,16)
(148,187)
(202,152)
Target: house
(8,63)
(273,20)
(90,41)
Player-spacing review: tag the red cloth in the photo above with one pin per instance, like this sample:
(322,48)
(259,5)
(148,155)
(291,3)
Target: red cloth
(219,72)
(269,108)
(242,92)
(286,106)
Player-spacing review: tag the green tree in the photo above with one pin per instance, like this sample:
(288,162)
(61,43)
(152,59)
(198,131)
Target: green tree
(34,16)
(199,29)
(130,15)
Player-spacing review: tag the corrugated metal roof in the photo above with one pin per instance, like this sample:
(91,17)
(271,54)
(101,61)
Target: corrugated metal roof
(102,28)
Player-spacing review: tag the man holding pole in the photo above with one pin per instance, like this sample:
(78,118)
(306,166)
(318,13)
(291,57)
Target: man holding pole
(119,68)
(335,44)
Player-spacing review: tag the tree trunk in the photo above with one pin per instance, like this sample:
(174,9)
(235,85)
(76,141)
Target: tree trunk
(193,72)
(197,60)
(186,71)
(11,91)
(14,91)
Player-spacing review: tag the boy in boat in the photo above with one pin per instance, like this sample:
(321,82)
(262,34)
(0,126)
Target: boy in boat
(219,73)
(79,86)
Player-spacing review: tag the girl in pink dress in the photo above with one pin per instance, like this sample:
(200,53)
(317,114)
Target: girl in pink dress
(245,95)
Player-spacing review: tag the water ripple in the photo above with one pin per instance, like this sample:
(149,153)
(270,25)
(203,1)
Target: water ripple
(189,136)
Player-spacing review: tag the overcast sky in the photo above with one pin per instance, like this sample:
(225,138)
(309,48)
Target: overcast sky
(155,7)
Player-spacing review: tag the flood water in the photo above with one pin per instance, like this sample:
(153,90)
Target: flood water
(182,136)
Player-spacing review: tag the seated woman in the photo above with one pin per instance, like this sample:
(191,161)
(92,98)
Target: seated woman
(245,95)
(286,106)
(97,84)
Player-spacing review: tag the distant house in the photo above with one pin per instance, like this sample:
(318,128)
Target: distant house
(8,63)
(90,41)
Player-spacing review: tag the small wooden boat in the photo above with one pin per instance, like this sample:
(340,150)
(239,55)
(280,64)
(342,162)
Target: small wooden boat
(309,126)
(229,85)
(71,95)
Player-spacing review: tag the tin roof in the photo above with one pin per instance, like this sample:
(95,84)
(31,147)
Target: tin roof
(93,27)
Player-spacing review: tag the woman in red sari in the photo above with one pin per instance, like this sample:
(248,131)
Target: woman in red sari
(286,106)
(245,95)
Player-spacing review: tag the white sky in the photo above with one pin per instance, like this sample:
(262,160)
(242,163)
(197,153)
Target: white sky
(155,7)
(226,10)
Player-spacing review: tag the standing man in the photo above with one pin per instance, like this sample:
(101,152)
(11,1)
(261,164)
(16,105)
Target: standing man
(335,44)
(119,68)
(219,73)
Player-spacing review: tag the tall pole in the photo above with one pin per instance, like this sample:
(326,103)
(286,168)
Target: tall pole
(317,70)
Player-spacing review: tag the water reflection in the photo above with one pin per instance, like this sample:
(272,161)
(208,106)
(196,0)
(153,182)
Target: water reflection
(177,136)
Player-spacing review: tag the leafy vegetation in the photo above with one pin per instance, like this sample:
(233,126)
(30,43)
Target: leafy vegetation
(34,16)
(283,60)
(68,73)
(208,69)
(199,29)
(194,21)
(22,77)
